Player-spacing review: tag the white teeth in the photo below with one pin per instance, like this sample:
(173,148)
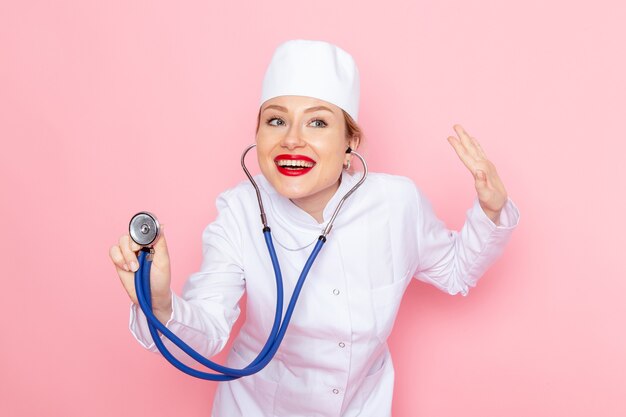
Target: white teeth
(294,163)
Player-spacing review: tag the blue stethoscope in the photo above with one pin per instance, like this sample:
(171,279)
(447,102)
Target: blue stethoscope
(144,230)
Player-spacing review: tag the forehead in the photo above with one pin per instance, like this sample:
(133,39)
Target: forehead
(297,104)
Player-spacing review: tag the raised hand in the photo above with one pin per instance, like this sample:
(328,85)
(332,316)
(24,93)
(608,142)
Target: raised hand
(491,192)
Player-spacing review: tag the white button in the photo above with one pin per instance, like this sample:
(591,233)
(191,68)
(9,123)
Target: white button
(336,291)
(335,391)
(341,344)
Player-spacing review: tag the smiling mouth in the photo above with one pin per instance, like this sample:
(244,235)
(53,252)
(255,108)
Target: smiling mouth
(293,164)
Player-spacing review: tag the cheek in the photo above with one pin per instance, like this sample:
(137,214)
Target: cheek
(332,168)
(263,150)
(265,164)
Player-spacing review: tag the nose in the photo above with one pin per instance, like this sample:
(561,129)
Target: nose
(293,137)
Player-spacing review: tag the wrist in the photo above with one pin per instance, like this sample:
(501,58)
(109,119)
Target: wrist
(494,216)
(163,309)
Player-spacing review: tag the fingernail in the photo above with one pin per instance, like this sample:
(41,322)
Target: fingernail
(126,267)
(134,266)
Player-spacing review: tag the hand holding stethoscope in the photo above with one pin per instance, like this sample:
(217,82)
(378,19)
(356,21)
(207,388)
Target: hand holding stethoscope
(490,189)
(124,256)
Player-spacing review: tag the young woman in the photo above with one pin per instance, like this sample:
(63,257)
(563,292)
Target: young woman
(334,359)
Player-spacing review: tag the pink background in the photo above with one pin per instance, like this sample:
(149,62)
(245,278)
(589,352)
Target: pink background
(112,107)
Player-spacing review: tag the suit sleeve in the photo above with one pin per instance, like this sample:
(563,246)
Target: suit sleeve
(209,306)
(453,260)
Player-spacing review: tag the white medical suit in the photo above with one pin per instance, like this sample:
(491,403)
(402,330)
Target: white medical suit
(334,359)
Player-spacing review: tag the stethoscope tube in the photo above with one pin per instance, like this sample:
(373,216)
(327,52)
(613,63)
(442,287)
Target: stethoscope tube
(142,287)
(279,327)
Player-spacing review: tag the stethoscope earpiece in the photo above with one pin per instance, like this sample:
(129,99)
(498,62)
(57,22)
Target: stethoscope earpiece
(329,225)
(144,228)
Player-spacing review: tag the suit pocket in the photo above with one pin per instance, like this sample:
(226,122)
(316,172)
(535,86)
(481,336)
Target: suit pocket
(375,392)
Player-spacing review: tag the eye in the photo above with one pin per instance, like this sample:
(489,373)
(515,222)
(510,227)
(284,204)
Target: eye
(275,121)
(319,123)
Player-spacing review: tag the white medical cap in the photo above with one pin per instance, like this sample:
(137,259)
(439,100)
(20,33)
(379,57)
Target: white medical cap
(314,69)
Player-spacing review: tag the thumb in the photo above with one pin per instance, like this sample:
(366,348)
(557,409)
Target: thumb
(160,248)
(161,242)
(481,178)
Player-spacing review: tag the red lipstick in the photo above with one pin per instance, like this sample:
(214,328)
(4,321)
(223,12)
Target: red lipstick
(286,167)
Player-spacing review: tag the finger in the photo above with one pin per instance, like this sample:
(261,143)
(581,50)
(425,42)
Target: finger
(127,246)
(461,152)
(118,259)
(466,140)
(127,278)
(479,148)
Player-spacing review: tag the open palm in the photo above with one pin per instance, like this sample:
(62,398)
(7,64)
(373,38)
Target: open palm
(491,192)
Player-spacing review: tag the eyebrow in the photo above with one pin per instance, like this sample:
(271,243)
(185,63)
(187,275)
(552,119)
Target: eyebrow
(309,110)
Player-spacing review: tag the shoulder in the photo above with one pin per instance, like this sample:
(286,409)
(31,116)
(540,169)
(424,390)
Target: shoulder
(395,195)
(391,184)
(236,197)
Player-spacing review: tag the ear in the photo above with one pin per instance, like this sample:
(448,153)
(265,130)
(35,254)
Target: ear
(354,142)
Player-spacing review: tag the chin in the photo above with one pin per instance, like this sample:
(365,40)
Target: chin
(290,191)
(295,188)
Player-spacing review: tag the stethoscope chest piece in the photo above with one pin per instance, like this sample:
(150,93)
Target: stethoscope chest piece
(144,228)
